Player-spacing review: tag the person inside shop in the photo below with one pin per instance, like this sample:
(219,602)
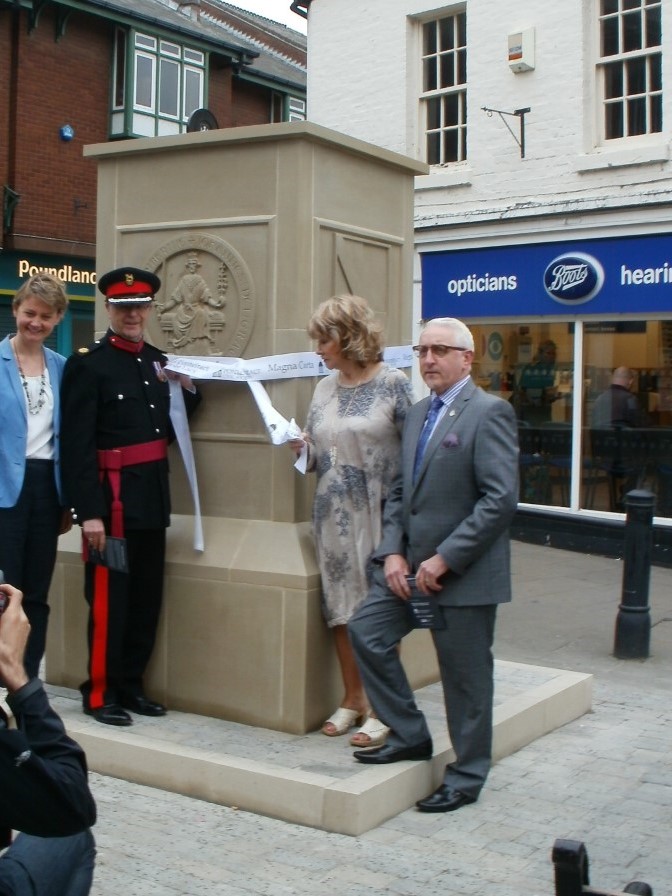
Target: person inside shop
(43,779)
(446,522)
(615,410)
(617,405)
(32,514)
(114,439)
(353,435)
(535,390)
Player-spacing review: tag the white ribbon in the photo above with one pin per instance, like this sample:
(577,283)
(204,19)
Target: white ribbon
(279,430)
(178,417)
(271,367)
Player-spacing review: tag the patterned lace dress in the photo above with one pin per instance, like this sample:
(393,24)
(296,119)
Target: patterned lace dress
(354,435)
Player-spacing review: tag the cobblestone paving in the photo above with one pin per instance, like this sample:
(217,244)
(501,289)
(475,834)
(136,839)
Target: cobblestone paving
(605,779)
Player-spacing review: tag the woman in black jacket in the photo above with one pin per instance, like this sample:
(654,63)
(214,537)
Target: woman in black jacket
(43,780)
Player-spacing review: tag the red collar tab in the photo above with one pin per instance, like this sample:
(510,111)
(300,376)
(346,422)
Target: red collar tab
(126,345)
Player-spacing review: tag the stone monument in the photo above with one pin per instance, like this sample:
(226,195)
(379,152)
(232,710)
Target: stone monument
(249,230)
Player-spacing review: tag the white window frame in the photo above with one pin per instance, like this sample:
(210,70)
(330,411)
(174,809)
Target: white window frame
(442,94)
(165,95)
(296,109)
(137,105)
(651,95)
(154,54)
(119,70)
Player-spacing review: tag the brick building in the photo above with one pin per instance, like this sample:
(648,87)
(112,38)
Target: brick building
(78,72)
(545,220)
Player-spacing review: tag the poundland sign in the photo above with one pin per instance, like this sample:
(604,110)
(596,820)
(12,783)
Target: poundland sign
(78,274)
(609,276)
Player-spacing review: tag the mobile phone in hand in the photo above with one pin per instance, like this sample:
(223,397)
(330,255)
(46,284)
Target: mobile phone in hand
(4,599)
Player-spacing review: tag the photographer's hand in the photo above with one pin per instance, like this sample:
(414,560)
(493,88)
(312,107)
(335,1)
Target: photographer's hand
(14,631)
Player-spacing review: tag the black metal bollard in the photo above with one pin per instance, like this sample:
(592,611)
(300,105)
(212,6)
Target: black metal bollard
(633,622)
(570,864)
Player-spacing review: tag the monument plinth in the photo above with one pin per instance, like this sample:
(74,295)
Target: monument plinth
(249,230)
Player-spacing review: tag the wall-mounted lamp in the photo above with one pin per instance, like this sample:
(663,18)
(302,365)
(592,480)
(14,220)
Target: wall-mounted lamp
(66,133)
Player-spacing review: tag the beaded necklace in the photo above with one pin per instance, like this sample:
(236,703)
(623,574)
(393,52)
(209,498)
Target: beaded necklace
(34,405)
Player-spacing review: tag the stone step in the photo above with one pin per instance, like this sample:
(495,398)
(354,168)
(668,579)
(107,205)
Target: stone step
(312,779)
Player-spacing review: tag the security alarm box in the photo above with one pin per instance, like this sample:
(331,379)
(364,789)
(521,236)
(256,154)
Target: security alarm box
(521,51)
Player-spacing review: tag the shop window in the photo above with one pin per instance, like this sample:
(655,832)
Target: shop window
(531,366)
(630,67)
(167,84)
(444,89)
(628,410)
(623,433)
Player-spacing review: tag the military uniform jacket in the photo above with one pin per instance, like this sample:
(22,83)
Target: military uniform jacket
(111,398)
(43,774)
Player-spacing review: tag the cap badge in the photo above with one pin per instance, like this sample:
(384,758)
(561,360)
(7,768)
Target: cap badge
(129,279)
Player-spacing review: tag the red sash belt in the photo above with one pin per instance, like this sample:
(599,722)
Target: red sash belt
(110,463)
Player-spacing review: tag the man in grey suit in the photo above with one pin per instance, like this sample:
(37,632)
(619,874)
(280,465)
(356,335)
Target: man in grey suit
(446,521)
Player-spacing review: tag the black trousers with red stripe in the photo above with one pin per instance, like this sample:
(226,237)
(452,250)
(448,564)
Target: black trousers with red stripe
(124,613)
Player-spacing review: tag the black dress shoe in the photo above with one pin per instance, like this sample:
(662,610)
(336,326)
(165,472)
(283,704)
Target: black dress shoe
(143,705)
(112,714)
(445,799)
(386,753)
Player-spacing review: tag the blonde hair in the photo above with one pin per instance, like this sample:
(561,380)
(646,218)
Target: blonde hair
(46,288)
(349,321)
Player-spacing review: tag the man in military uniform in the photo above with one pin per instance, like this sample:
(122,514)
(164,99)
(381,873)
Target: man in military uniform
(114,438)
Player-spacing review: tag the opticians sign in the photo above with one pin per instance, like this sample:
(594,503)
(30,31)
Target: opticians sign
(609,276)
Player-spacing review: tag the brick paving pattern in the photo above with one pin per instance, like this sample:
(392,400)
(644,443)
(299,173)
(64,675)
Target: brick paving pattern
(605,779)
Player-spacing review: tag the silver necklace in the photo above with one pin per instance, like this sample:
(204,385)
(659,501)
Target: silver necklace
(35,405)
(333,449)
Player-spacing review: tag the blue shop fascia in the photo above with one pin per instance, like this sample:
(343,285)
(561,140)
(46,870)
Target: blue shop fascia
(564,315)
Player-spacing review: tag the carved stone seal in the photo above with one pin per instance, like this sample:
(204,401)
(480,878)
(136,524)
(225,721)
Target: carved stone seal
(206,304)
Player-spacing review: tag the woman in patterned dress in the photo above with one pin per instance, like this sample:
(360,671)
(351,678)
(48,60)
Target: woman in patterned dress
(353,437)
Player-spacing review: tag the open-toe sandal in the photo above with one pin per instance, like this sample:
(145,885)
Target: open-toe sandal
(373,733)
(341,721)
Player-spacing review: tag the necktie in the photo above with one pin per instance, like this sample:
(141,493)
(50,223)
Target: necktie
(427,430)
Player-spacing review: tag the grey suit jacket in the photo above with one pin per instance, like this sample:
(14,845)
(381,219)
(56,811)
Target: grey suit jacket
(464,500)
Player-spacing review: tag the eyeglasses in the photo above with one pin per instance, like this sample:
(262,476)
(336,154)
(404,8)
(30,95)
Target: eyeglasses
(438,350)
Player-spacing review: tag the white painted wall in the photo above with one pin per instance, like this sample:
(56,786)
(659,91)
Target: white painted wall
(364,80)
